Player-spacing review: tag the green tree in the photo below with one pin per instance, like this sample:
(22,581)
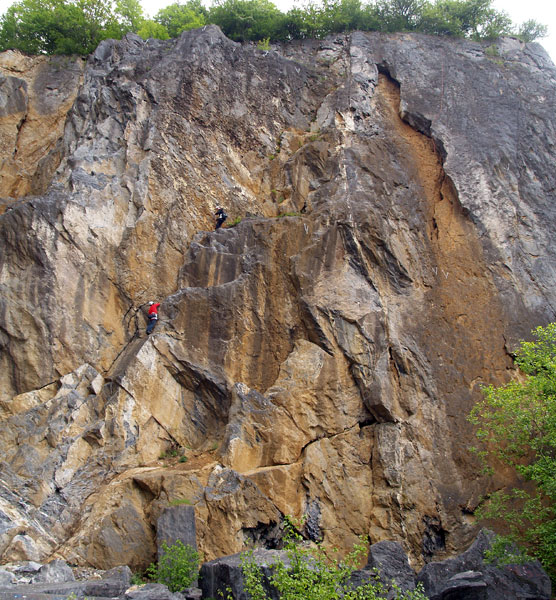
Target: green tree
(474,19)
(64,26)
(478,19)
(182,17)
(127,17)
(310,574)
(532,30)
(442,18)
(400,15)
(152,29)
(517,424)
(243,20)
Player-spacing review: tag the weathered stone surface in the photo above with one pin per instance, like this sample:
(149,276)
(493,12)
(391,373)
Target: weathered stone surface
(6,577)
(468,585)
(320,364)
(53,572)
(62,583)
(151,591)
(468,576)
(391,563)
(176,523)
(36,93)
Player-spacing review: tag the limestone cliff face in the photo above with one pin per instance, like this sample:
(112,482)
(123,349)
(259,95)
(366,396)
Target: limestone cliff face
(320,364)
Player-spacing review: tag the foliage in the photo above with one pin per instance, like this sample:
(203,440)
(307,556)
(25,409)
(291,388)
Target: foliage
(152,29)
(177,568)
(66,26)
(264,44)
(233,223)
(136,579)
(531,30)
(312,575)
(177,17)
(517,424)
(246,19)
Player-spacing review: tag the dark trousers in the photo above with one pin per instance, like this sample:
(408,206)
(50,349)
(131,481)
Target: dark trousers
(219,222)
(151,324)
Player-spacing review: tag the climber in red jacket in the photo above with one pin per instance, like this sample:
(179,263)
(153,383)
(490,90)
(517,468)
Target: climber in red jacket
(152,316)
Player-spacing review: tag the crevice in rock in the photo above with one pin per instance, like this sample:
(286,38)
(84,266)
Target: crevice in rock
(367,422)
(434,537)
(312,528)
(19,127)
(327,437)
(265,535)
(115,367)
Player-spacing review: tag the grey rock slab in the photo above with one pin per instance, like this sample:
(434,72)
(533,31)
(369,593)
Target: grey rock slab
(151,591)
(115,582)
(392,564)
(176,523)
(54,572)
(6,577)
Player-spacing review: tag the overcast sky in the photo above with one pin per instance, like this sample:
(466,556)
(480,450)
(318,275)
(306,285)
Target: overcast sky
(543,11)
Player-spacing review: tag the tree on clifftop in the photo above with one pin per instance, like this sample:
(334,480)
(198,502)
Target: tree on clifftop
(517,424)
(77,26)
(182,17)
(66,27)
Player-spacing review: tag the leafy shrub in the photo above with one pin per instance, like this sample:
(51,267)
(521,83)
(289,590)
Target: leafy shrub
(136,579)
(313,575)
(517,424)
(177,568)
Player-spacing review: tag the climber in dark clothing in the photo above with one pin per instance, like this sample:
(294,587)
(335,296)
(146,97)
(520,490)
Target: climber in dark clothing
(152,316)
(221,216)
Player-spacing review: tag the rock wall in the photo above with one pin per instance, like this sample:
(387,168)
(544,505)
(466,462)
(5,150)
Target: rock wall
(36,93)
(319,358)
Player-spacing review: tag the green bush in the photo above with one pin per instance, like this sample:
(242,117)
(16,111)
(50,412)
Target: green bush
(312,575)
(177,568)
(517,424)
(136,579)
(233,223)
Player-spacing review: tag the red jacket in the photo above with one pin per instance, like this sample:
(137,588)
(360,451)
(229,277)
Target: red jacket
(153,310)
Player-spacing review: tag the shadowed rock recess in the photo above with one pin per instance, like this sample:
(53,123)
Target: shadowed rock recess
(319,358)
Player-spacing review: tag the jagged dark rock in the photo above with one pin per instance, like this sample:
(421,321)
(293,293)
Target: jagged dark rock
(468,576)
(391,563)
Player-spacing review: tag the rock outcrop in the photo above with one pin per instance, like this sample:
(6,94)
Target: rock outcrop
(319,358)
